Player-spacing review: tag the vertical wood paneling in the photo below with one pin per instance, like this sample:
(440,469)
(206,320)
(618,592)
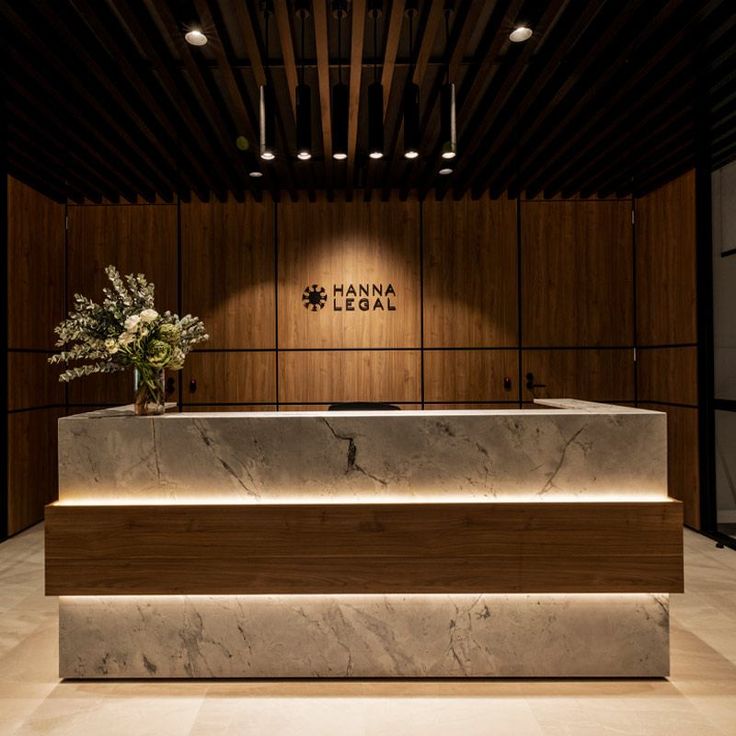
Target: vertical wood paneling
(32,470)
(592,375)
(356,375)
(237,377)
(668,375)
(470,281)
(665,264)
(228,271)
(35,267)
(576,273)
(327,243)
(135,239)
(470,375)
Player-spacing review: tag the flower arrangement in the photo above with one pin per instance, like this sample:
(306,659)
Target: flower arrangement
(126,331)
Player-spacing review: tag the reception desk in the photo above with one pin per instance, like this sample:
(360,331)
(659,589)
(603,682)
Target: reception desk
(493,543)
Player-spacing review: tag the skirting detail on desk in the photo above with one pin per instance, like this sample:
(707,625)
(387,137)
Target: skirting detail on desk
(365,636)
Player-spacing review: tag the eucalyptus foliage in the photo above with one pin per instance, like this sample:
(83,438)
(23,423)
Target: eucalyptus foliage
(125,331)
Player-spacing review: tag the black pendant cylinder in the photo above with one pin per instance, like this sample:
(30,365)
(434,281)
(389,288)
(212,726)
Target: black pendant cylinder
(411,121)
(448,128)
(375,120)
(340,121)
(266,124)
(303,122)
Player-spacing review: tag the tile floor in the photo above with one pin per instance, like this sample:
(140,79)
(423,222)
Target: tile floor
(699,699)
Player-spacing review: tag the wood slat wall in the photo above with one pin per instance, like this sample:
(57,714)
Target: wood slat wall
(365,548)
(486,292)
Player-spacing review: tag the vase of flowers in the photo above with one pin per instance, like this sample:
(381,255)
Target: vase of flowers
(126,331)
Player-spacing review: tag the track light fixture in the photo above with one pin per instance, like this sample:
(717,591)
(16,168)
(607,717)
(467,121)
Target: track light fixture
(266,107)
(411,97)
(303,97)
(375,92)
(448,128)
(340,98)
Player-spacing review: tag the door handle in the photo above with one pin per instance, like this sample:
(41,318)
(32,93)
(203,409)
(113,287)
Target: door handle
(530,382)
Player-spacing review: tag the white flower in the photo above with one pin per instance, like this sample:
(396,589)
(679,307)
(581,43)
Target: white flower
(131,324)
(148,315)
(111,345)
(126,338)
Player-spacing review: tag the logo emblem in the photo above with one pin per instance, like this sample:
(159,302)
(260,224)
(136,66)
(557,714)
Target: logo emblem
(314,297)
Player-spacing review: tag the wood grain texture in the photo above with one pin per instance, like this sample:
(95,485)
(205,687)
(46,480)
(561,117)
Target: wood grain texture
(364,548)
(665,264)
(683,465)
(35,267)
(228,271)
(577,273)
(470,281)
(32,382)
(668,374)
(230,377)
(593,375)
(470,375)
(355,375)
(135,239)
(32,471)
(342,243)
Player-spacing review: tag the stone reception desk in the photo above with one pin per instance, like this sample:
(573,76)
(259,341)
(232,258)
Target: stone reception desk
(365,544)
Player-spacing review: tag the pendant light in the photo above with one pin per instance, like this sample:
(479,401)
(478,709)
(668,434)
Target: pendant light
(266,108)
(375,93)
(340,100)
(448,129)
(411,97)
(303,98)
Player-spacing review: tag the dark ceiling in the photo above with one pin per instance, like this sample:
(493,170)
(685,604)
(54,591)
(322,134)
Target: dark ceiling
(105,99)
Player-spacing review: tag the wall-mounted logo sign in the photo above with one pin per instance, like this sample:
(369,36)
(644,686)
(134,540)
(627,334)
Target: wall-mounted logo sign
(368,297)
(314,297)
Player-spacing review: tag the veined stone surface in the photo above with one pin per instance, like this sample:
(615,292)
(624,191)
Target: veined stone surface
(571,450)
(365,636)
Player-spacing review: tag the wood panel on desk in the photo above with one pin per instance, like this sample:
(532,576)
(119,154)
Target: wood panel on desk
(32,470)
(327,377)
(576,273)
(35,267)
(364,548)
(683,470)
(358,242)
(470,280)
(470,375)
(593,375)
(133,238)
(230,377)
(665,264)
(668,374)
(228,271)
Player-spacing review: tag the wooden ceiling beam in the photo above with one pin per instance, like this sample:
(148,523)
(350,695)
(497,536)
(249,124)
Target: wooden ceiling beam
(427,36)
(283,23)
(321,39)
(43,168)
(357,39)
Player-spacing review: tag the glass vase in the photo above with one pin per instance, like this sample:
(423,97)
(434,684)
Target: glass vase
(149,385)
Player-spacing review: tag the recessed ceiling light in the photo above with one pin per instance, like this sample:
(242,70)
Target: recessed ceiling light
(445,171)
(448,154)
(339,156)
(376,154)
(522,33)
(411,154)
(304,155)
(195,37)
(255,174)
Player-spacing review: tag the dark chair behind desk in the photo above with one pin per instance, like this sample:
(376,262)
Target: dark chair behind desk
(363,406)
